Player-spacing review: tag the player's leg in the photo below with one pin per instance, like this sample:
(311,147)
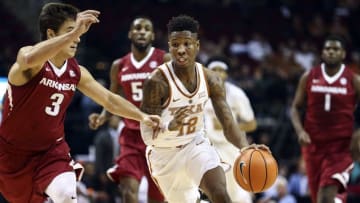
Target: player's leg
(129,187)
(335,175)
(62,188)
(213,184)
(203,165)
(327,194)
(312,163)
(154,194)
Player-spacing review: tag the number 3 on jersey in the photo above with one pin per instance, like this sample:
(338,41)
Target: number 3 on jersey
(54,109)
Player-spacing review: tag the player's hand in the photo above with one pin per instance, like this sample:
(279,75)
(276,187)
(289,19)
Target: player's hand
(355,146)
(85,19)
(256,146)
(96,120)
(179,117)
(304,138)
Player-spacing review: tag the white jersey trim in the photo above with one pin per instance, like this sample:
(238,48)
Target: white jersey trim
(332,79)
(58,71)
(139,64)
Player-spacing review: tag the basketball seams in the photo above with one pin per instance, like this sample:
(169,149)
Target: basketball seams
(249,171)
(266,170)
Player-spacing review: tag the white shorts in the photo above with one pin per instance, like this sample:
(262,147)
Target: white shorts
(179,170)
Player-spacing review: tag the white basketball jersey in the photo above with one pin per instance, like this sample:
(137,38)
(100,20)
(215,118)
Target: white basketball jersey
(180,97)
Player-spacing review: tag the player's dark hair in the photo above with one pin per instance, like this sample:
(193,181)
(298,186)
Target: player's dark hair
(182,23)
(53,15)
(336,38)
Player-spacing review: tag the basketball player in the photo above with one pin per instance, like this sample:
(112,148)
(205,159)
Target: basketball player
(329,94)
(180,158)
(244,115)
(34,157)
(127,76)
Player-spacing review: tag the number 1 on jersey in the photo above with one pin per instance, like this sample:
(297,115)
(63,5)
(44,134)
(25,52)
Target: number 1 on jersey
(327,104)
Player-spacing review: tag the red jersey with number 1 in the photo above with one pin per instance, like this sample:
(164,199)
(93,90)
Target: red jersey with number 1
(331,102)
(34,113)
(131,77)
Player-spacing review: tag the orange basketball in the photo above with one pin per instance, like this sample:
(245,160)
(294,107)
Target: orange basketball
(255,170)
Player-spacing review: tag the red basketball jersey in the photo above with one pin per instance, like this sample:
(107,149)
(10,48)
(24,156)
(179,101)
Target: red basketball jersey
(33,114)
(131,77)
(330,107)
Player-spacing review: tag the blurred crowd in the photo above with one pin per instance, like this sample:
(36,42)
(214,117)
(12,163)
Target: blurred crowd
(269,43)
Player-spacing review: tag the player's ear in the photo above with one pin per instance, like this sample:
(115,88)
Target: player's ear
(197,45)
(343,55)
(50,33)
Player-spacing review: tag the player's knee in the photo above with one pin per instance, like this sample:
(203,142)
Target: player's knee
(64,195)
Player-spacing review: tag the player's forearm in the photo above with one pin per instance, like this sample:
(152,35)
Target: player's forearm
(46,50)
(121,107)
(236,137)
(295,119)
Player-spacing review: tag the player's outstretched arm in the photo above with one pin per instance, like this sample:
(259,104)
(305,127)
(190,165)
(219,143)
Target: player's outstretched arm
(223,112)
(113,102)
(33,57)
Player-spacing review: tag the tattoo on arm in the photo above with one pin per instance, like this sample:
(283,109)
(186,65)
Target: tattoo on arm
(155,93)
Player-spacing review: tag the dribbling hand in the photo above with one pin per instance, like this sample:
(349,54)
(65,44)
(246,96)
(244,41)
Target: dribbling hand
(256,146)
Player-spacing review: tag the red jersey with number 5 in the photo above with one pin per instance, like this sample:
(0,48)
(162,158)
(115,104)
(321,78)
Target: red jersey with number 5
(34,113)
(131,77)
(331,102)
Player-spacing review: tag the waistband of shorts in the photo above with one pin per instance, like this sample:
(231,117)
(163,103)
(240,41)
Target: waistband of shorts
(173,147)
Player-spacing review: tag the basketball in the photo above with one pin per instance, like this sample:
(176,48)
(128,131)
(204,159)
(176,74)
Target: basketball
(255,170)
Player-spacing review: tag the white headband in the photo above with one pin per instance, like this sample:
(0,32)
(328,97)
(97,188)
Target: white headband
(217,64)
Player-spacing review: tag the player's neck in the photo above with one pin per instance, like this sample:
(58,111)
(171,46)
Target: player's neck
(332,69)
(140,54)
(58,63)
(185,73)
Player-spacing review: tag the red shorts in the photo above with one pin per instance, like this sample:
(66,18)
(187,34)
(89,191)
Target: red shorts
(330,168)
(24,176)
(132,162)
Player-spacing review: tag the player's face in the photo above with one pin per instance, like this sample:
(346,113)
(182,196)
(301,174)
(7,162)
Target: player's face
(183,47)
(221,72)
(141,33)
(333,53)
(66,27)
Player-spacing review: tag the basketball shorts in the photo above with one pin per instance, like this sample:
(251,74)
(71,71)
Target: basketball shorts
(25,176)
(327,169)
(132,162)
(179,170)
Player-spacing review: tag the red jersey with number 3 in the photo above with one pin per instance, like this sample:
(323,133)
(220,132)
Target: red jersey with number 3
(34,113)
(131,77)
(331,102)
